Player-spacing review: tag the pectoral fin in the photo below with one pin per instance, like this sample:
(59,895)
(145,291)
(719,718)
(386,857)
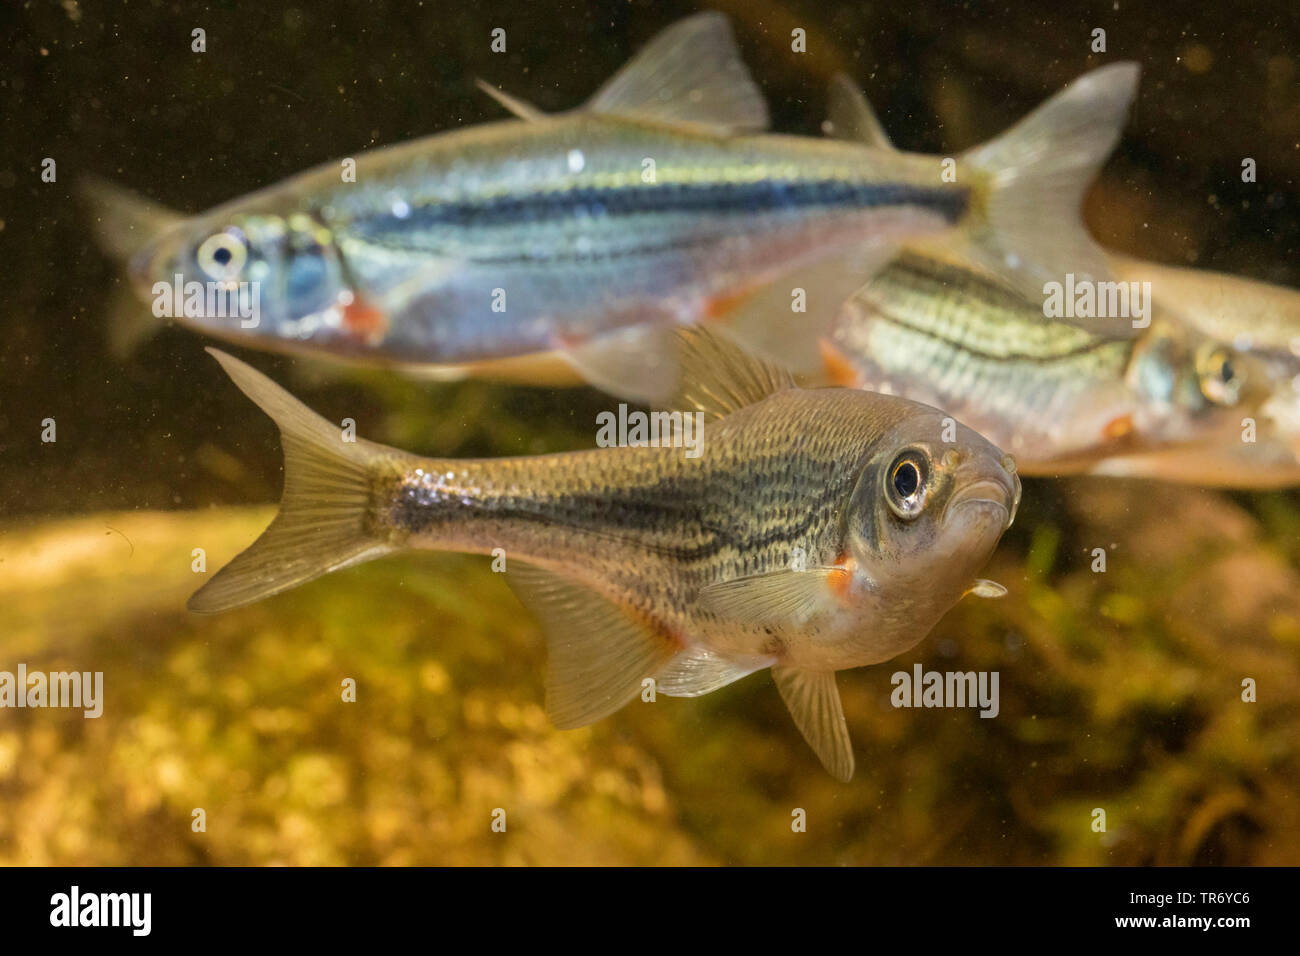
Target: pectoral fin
(785,596)
(814,703)
(599,652)
(987,589)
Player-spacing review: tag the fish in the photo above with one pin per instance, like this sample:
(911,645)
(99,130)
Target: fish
(593,233)
(1260,318)
(1185,394)
(818,530)
(1059,398)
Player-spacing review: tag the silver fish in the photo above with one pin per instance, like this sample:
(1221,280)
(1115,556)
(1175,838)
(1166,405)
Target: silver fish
(1202,391)
(660,203)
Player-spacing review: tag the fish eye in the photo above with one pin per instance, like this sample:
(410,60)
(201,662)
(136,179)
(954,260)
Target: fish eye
(905,484)
(222,255)
(1218,375)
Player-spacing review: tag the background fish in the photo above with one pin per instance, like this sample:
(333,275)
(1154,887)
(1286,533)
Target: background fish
(1056,396)
(1256,317)
(593,231)
(1169,401)
(819,530)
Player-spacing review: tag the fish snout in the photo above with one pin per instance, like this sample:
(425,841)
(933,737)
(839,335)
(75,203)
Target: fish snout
(989,484)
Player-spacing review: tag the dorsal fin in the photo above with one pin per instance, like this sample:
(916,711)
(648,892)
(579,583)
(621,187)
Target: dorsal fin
(692,74)
(851,116)
(717,377)
(512,104)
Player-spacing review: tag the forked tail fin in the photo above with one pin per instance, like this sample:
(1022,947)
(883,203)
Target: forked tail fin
(125,226)
(1029,228)
(325,520)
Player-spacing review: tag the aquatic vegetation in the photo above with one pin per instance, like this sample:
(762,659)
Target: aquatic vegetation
(1119,690)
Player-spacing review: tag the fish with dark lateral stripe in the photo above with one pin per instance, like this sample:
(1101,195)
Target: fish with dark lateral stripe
(818,530)
(590,234)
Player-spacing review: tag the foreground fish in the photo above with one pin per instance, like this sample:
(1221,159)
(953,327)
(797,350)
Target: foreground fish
(819,530)
(660,203)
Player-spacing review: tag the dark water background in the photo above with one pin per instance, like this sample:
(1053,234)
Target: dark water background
(114,90)
(1117,692)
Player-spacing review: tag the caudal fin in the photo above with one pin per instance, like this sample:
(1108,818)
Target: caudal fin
(325,520)
(126,225)
(124,222)
(1029,229)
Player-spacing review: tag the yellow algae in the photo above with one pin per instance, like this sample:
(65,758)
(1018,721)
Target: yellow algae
(1120,691)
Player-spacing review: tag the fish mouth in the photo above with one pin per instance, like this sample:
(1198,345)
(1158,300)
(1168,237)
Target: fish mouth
(1002,494)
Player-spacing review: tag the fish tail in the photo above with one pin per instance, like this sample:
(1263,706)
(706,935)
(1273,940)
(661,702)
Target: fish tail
(1027,224)
(124,225)
(326,519)
(124,222)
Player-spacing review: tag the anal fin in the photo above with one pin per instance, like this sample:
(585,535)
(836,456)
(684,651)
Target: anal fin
(765,322)
(636,363)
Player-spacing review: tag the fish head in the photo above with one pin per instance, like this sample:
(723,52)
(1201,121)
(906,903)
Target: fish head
(1190,387)
(273,277)
(928,512)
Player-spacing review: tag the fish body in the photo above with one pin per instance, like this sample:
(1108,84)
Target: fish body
(1056,396)
(819,530)
(662,202)
(560,217)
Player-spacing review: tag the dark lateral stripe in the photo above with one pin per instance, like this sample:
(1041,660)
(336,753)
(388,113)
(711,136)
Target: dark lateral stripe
(633,514)
(1074,353)
(939,280)
(722,198)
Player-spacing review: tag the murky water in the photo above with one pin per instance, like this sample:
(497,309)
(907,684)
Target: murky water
(1120,691)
